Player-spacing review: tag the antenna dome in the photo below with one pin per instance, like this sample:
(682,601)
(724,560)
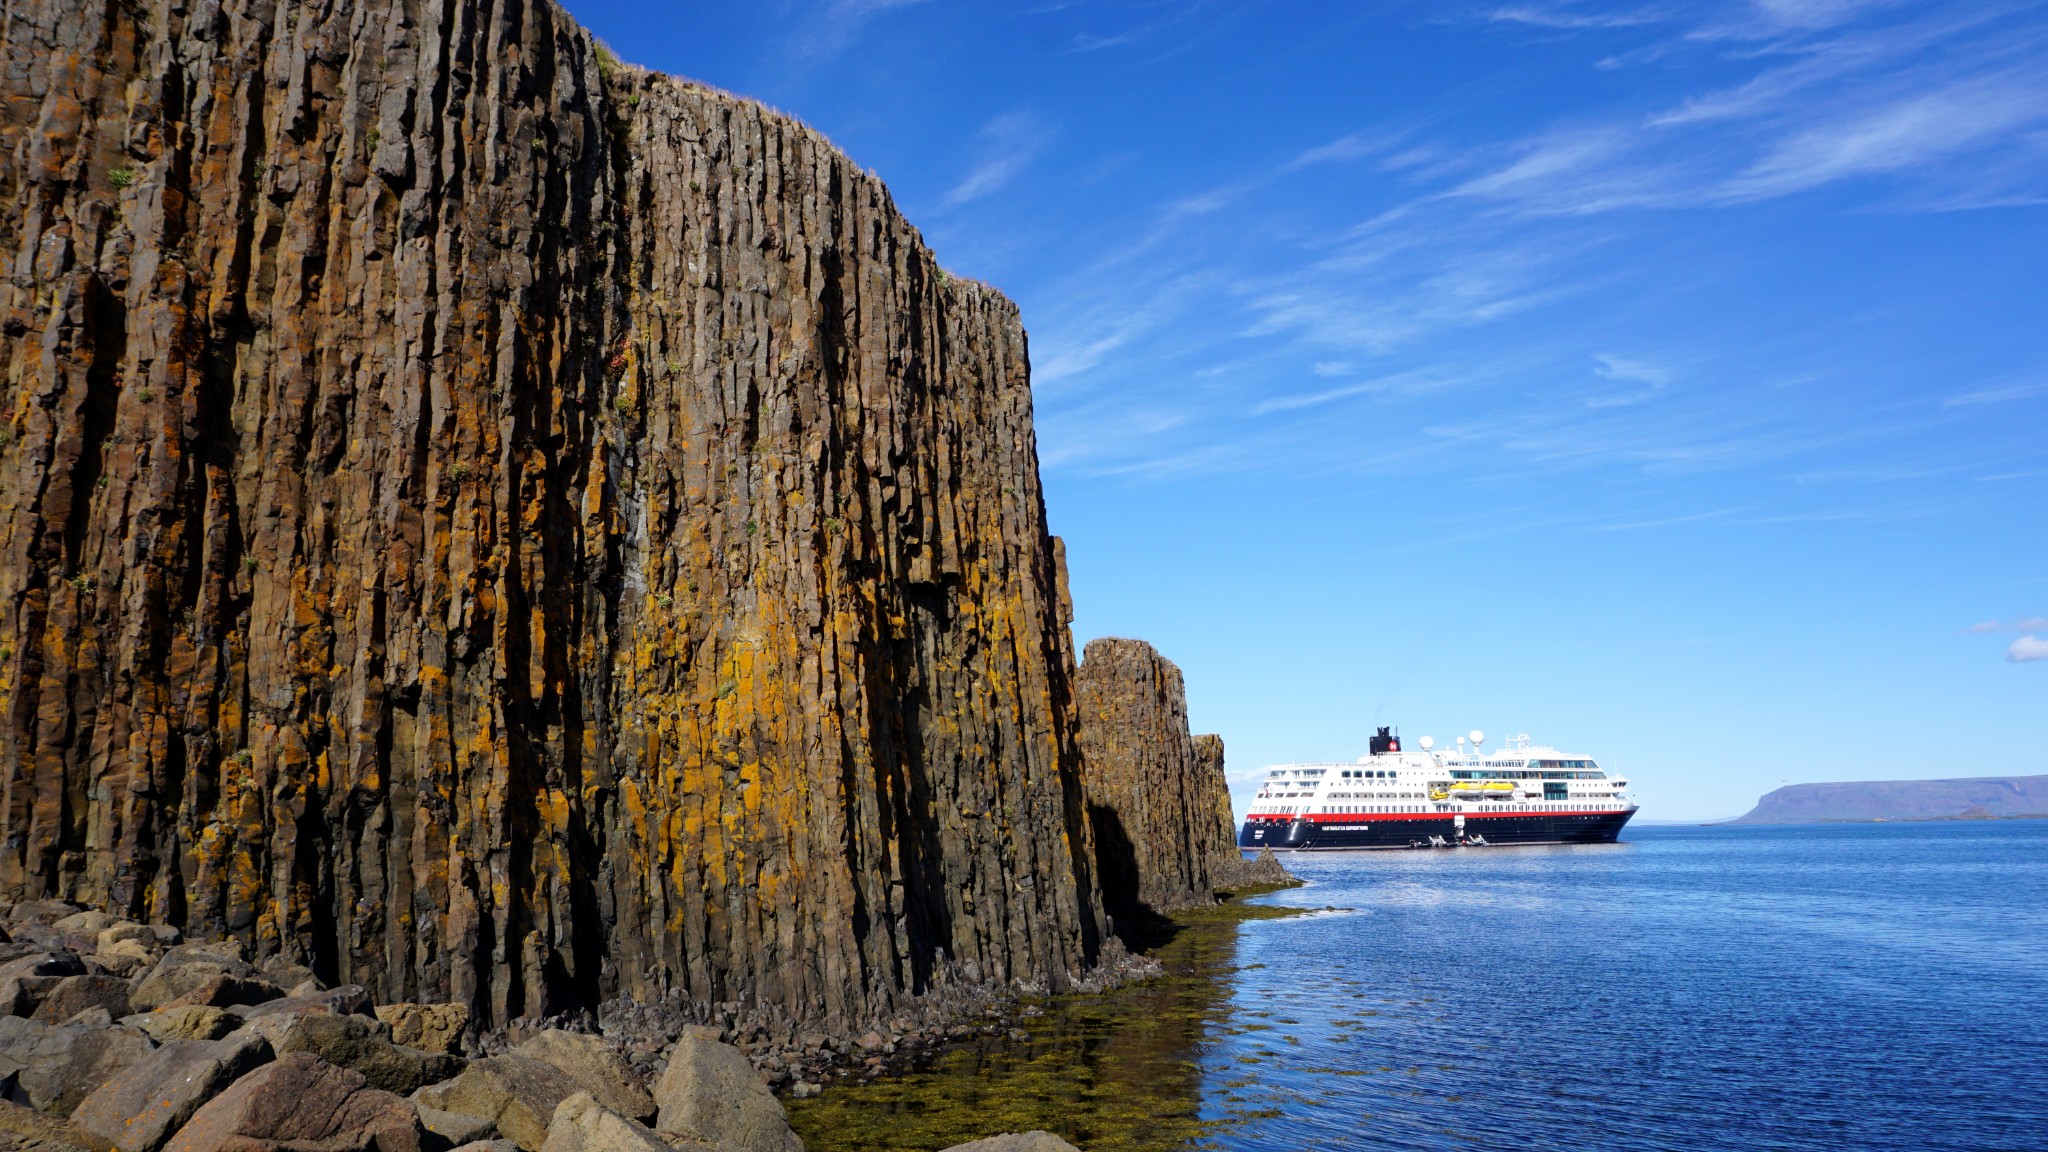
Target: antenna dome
(1428,742)
(1478,737)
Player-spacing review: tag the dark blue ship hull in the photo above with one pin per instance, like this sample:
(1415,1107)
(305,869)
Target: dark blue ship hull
(1415,831)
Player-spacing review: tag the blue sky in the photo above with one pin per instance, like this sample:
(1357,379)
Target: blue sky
(1666,381)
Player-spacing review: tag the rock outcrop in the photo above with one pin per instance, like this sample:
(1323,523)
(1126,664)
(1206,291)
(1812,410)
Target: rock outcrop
(298,1102)
(1152,788)
(496,526)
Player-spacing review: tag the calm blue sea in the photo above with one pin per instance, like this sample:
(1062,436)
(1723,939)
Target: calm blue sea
(1830,987)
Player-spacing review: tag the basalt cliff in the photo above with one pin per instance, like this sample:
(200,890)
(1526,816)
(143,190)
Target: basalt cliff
(1157,798)
(493,525)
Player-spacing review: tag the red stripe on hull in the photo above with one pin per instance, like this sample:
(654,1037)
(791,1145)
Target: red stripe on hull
(1375,817)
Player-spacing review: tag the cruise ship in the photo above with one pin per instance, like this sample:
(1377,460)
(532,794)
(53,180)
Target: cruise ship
(1441,798)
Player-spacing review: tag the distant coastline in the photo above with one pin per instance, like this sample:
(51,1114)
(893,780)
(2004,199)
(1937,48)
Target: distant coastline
(1887,801)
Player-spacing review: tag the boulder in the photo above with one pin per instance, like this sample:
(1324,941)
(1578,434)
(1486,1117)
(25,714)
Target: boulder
(347,1000)
(517,1093)
(581,1124)
(39,911)
(88,923)
(125,958)
(218,954)
(457,1128)
(1017,1142)
(500,1145)
(185,1022)
(302,1103)
(434,1027)
(60,1064)
(25,980)
(595,1065)
(226,950)
(127,931)
(143,1106)
(74,994)
(171,979)
(358,1043)
(289,974)
(711,1092)
(27,1130)
(226,990)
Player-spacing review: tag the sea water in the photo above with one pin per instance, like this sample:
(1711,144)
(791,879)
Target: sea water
(1854,986)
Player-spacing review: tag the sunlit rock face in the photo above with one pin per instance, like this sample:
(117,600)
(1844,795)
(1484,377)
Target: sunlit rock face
(1152,787)
(499,526)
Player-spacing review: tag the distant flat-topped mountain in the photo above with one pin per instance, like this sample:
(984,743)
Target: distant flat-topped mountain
(1979,798)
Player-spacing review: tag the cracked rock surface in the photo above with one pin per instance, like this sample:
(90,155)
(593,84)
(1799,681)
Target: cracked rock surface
(496,526)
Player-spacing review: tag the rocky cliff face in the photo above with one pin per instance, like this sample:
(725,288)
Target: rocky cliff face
(499,526)
(1215,794)
(1152,787)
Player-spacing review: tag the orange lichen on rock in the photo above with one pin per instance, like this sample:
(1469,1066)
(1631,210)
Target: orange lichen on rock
(492,529)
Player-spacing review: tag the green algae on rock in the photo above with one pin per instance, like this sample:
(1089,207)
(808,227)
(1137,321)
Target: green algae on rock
(1116,1072)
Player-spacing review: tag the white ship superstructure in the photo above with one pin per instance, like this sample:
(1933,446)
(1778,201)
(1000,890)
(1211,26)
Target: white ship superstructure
(1391,798)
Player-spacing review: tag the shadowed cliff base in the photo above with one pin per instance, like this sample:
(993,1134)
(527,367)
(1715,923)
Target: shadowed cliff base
(494,525)
(1158,801)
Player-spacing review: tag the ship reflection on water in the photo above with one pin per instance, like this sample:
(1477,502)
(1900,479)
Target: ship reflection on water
(1106,1073)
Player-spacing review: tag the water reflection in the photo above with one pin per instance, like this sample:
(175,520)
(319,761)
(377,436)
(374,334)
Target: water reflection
(1122,1071)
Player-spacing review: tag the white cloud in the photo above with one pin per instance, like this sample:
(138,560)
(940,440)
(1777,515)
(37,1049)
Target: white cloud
(836,28)
(1624,368)
(1983,626)
(1356,146)
(2027,648)
(1902,134)
(1997,394)
(1816,13)
(1009,144)
(1537,16)
(2031,624)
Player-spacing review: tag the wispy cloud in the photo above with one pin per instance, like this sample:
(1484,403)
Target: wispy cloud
(2027,649)
(1983,626)
(1896,136)
(1344,149)
(1561,17)
(835,29)
(1931,101)
(1433,310)
(1628,368)
(2032,624)
(1661,522)
(1998,393)
(1008,145)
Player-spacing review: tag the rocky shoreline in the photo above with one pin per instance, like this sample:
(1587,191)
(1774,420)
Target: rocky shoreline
(126,1037)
